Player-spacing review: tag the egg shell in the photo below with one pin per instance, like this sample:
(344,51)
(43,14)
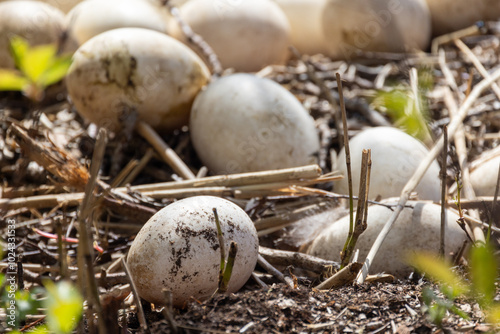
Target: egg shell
(92,17)
(416,228)
(135,69)
(395,157)
(178,249)
(243,123)
(37,22)
(375,25)
(451,15)
(63,5)
(306,23)
(484,177)
(245,35)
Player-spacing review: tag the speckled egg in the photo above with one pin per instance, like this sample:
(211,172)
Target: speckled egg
(178,250)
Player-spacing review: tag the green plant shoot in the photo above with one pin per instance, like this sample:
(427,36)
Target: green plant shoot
(483,274)
(64,306)
(408,112)
(37,68)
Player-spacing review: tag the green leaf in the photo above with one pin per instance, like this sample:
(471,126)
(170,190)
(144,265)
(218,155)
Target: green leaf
(12,80)
(64,306)
(440,271)
(483,273)
(37,60)
(56,71)
(18,49)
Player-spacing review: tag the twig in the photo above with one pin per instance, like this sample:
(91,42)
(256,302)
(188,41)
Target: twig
(344,276)
(443,190)
(299,260)
(422,168)
(444,39)
(54,160)
(216,185)
(166,153)
(140,310)
(311,73)
(273,271)
(168,311)
(197,41)
(361,211)
(86,268)
(461,148)
(138,168)
(480,68)
(347,159)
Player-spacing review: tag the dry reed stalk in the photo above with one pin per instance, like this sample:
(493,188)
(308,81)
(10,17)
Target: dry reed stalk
(165,152)
(344,276)
(214,185)
(461,149)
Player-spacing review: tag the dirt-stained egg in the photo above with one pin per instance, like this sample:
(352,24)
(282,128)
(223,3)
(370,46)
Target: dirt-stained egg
(134,70)
(178,250)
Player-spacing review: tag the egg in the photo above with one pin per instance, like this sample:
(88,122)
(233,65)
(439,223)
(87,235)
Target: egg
(178,250)
(484,175)
(395,157)
(63,5)
(243,123)
(451,15)
(375,25)
(92,17)
(306,23)
(245,35)
(37,22)
(416,229)
(139,70)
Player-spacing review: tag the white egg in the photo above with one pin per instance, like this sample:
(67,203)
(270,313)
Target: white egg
(375,25)
(178,250)
(306,23)
(37,22)
(395,157)
(243,123)
(245,35)
(135,69)
(63,5)
(92,17)
(451,15)
(483,176)
(416,229)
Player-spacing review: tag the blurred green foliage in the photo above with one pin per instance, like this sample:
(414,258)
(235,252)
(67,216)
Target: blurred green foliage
(37,68)
(480,286)
(407,111)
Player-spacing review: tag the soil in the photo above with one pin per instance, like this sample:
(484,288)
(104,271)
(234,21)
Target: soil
(394,307)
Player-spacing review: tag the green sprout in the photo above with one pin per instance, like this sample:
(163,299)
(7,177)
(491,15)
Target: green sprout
(483,273)
(37,68)
(406,108)
(62,305)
